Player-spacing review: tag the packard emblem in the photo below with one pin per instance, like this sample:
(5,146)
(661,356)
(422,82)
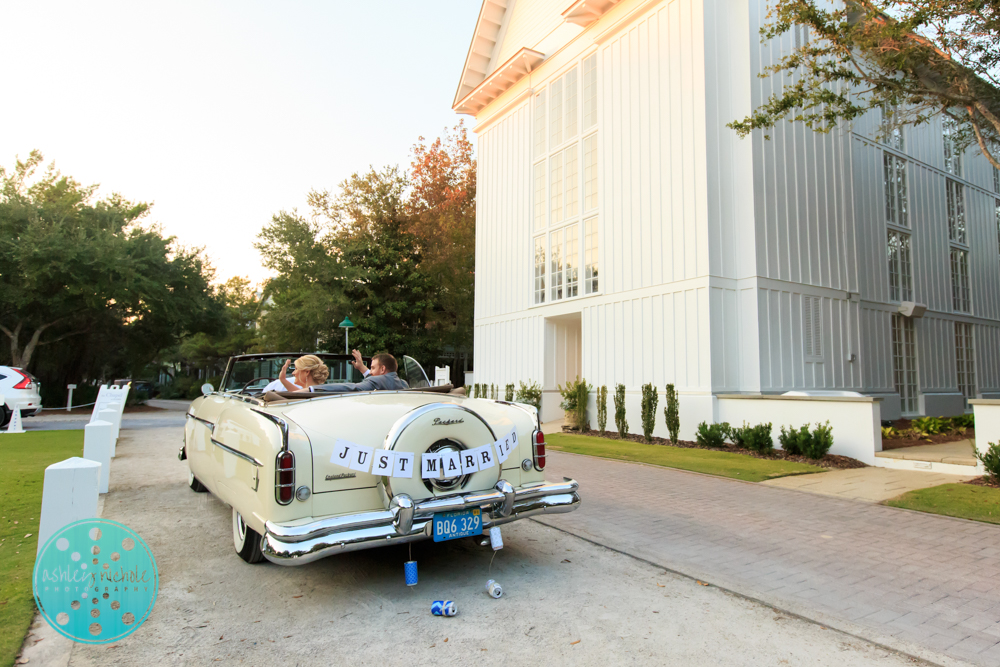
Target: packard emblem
(445,422)
(343,475)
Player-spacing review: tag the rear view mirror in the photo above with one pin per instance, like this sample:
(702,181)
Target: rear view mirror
(207,389)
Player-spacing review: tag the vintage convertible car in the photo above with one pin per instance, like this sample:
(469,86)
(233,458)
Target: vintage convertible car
(310,476)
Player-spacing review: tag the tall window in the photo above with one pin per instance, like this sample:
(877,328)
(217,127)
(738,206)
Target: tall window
(956,210)
(891,130)
(895,190)
(996,180)
(996,208)
(965,361)
(904,362)
(952,156)
(960,280)
(900,273)
(565,185)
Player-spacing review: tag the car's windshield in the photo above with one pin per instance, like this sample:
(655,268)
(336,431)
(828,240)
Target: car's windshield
(254,373)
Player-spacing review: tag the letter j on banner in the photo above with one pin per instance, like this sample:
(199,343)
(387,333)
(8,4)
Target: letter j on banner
(95,581)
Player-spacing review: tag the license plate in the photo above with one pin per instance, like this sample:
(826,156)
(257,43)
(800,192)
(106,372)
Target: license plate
(453,525)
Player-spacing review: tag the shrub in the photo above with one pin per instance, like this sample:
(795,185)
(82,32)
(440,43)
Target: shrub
(820,442)
(672,413)
(931,425)
(530,394)
(620,420)
(602,408)
(712,435)
(575,397)
(508,393)
(650,398)
(991,461)
(758,438)
(964,421)
(814,444)
(795,441)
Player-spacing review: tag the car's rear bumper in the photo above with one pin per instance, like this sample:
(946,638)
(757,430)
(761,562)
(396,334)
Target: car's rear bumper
(405,521)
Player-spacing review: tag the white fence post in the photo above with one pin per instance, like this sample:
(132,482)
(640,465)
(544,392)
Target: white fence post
(97,445)
(442,375)
(69,397)
(69,494)
(110,416)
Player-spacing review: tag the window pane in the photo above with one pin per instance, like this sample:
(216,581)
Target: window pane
(556,270)
(572,260)
(555,114)
(590,93)
(540,126)
(956,211)
(891,131)
(893,255)
(590,173)
(556,188)
(965,361)
(540,210)
(952,156)
(904,362)
(960,279)
(571,109)
(540,269)
(997,214)
(590,256)
(572,180)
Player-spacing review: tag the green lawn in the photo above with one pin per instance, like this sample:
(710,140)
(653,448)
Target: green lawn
(23,459)
(724,464)
(979,503)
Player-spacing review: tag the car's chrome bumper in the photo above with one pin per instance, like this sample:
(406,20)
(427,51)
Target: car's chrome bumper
(406,521)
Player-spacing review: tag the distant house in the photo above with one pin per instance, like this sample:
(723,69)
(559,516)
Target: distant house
(625,235)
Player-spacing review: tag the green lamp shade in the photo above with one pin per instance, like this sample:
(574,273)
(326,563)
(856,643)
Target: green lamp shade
(347,324)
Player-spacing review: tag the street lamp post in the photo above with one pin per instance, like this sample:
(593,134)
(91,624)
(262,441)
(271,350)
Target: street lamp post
(347,325)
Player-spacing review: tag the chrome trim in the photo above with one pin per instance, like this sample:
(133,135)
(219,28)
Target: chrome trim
(182,455)
(504,487)
(299,544)
(236,452)
(207,423)
(526,465)
(302,493)
(279,422)
(534,449)
(277,478)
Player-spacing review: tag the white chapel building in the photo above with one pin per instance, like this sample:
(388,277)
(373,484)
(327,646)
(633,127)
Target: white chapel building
(626,235)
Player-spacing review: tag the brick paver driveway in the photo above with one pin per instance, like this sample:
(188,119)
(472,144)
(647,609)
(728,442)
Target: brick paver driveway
(896,577)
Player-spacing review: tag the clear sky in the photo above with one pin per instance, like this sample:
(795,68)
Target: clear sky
(223,113)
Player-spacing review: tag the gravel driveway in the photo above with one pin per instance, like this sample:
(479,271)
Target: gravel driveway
(565,600)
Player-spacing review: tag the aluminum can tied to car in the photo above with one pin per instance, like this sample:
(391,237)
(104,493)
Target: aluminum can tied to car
(443,608)
(494,589)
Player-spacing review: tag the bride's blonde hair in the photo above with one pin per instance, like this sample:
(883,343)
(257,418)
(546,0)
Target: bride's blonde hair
(317,369)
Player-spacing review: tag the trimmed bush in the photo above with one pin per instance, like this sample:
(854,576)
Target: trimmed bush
(712,435)
(672,413)
(991,460)
(814,444)
(602,408)
(530,394)
(508,393)
(575,396)
(620,420)
(758,438)
(649,400)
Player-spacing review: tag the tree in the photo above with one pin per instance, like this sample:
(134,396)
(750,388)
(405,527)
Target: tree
(442,216)
(239,332)
(913,58)
(88,281)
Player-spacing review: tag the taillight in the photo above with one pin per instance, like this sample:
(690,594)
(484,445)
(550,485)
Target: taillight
(25,382)
(538,450)
(284,478)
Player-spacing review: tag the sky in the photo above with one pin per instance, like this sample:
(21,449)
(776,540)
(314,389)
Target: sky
(223,113)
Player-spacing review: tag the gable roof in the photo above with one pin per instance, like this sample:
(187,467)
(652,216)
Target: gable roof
(484,40)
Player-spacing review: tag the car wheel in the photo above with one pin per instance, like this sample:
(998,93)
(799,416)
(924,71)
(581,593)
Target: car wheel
(5,416)
(246,540)
(195,485)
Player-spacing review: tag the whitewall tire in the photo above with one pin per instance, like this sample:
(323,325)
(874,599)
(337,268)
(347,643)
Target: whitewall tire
(246,540)
(195,485)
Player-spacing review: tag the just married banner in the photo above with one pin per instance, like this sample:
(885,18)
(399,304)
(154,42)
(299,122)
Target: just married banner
(439,465)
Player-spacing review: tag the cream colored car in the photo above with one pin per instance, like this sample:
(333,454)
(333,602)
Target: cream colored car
(313,476)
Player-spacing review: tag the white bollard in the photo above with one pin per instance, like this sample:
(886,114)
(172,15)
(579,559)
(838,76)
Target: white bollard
(15,422)
(97,447)
(117,409)
(111,417)
(69,397)
(69,494)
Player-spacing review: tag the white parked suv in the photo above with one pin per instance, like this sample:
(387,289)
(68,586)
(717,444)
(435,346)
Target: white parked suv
(20,389)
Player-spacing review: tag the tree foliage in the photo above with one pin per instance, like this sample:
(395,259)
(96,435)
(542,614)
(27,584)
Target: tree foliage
(86,288)
(915,58)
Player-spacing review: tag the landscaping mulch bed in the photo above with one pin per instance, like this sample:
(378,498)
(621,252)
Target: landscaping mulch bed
(989,481)
(903,424)
(829,461)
